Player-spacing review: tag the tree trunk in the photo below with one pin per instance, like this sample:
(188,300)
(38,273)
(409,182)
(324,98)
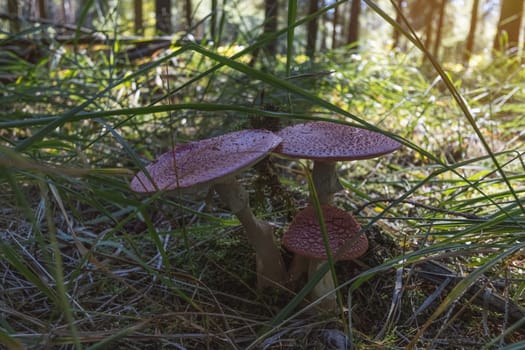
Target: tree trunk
(428,28)
(395,35)
(42,11)
(163,16)
(324,29)
(188,13)
(508,31)
(271,12)
(311,29)
(12,8)
(334,29)
(341,35)
(139,18)
(439,28)
(353,27)
(469,46)
(213,21)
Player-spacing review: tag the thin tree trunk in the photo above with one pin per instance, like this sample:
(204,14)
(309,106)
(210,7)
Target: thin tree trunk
(439,29)
(271,11)
(163,16)
(469,46)
(42,11)
(509,23)
(311,29)
(341,35)
(334,29)
(139,17)
(324,30)
(395,35)
(12,8)
(188,13)
(353,27)
(213,21)
(428,28)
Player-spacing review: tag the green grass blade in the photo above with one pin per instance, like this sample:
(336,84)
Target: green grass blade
(9,342)
(290,35)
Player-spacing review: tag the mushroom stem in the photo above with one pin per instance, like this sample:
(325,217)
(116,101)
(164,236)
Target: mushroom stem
(298,267)
(324,286)
(325,181)
(269,262)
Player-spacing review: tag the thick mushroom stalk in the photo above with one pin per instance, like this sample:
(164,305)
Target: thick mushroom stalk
(323,287)
(325,181)
(305,265)
(269,262)
(215,162)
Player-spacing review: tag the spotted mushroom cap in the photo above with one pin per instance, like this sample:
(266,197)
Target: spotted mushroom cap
(205,161)
(304,235)
(333,142)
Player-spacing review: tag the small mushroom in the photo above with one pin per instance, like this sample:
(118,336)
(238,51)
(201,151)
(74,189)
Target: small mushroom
(326,143)
(304,238)
(215,162)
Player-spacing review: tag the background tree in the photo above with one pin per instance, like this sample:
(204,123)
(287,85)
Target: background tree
(509,25)
(325,20)
(441,4)
(395,35)
(139,17)
(188,13)
(213,21)
(469,46)
(12,8)
(271,13)
(163,16)
(353,26)
(334,27)
(42,11)
(312,29)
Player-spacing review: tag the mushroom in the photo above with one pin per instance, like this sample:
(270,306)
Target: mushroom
(215,162)
(305,240)
(326,143)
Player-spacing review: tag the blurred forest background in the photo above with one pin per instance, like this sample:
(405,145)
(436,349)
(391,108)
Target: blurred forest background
(453,29)
(92,90)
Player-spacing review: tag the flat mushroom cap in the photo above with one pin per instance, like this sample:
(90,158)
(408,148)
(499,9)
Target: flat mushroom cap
(333,142)
(304,235)
(205,161)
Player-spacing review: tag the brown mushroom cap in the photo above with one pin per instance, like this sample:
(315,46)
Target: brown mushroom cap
(304,235)
(205,161)
(333,142)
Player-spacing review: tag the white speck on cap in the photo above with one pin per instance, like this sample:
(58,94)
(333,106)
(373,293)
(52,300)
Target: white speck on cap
(304,235)
(205,161)
(333,142)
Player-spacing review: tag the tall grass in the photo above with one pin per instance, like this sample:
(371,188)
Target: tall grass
(88,263)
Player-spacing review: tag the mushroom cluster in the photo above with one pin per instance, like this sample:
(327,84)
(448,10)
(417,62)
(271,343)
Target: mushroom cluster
(326,143)
(216,161)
